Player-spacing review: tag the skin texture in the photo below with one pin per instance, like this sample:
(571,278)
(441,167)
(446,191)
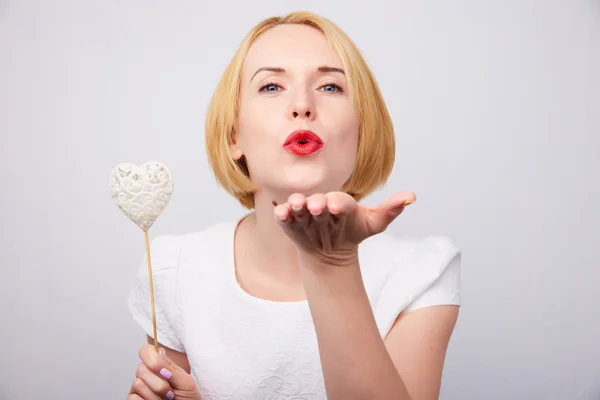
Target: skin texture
(301,241)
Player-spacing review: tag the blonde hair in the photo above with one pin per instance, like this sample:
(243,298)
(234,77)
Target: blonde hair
(376,145)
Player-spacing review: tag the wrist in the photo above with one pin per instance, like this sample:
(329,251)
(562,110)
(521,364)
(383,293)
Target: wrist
(324,278)
(323,260)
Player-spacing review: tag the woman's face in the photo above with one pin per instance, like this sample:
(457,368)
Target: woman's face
(293,82)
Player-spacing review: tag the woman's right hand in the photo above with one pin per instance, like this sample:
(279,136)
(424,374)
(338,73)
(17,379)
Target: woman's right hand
(159,378)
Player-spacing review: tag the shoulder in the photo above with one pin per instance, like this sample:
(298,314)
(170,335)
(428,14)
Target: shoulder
(169,254)
(406,274)
(384,256)
(166,249)
(393,248)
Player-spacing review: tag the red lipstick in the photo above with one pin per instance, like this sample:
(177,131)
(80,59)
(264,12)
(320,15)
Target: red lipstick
(303,143)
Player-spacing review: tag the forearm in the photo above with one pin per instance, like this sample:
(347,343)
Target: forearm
(354,359)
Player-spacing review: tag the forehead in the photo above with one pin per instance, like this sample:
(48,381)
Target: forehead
(291,46)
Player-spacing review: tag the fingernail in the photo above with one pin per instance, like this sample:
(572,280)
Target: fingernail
(163,353)
(165,373)
(170,395)
(408,203)
(296,208)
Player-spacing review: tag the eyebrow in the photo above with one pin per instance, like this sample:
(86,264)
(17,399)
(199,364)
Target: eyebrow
(323,68)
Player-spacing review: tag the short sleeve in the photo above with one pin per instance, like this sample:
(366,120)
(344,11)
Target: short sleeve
(164,257)
(445,290)
(428,276)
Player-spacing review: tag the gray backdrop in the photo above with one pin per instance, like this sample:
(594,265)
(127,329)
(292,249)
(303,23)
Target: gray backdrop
(497,109)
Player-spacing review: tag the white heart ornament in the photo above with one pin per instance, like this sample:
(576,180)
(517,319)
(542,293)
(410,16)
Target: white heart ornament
(141,192)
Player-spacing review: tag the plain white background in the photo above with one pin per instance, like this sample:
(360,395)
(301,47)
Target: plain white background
(497,111)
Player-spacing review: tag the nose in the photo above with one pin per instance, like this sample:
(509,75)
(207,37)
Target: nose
(302,107)
(307,114)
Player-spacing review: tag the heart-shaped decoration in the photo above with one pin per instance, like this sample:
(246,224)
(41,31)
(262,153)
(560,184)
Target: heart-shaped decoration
(141,192)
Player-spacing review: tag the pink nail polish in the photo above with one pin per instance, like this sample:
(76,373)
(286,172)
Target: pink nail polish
(165,373)
(170,395)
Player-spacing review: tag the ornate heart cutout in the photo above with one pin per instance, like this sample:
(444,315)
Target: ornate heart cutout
(141,192)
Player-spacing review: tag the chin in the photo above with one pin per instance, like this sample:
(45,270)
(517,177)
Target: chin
(305,187)
(308,181)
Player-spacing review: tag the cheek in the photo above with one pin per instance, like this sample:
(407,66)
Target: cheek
(341,120)
(350,146)
(251,130)
(346,135)
(341,157)
(352,130)
(258,122)
(257,138)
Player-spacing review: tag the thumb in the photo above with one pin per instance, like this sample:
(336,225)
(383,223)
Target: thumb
(381,216)
(177,377)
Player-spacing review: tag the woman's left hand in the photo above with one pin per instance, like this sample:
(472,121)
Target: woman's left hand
(329,227)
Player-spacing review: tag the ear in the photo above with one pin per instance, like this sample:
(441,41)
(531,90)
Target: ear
(235,150)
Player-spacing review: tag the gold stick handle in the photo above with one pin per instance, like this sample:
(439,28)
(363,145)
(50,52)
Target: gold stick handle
(151,289)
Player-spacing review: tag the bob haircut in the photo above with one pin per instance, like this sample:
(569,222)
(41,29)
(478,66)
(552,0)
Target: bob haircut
(376,145)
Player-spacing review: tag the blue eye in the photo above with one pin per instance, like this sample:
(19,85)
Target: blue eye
(331,88)
(270,87)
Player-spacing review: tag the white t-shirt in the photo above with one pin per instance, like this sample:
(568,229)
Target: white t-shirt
(243,347)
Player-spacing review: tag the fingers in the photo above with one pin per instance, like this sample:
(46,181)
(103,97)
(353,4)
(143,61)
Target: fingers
(297,203)
(283,213)
(395,204)
(340,203)
(317,206)
(165,369)
(335,222)
(317,218)
(319,226)
(300,209)
(139,388)
(400,200)
(151,359)
(386,212)
(154,383)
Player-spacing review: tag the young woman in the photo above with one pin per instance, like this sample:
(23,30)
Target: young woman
(305,297)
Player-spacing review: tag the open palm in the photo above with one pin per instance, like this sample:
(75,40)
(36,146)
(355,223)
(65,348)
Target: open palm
(330,226)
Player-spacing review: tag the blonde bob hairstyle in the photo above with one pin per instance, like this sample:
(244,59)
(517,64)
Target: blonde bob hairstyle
(376,146)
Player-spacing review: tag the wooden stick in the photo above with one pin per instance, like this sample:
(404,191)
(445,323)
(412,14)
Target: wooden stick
(151,289)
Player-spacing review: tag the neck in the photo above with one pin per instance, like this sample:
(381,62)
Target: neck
(266,247)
